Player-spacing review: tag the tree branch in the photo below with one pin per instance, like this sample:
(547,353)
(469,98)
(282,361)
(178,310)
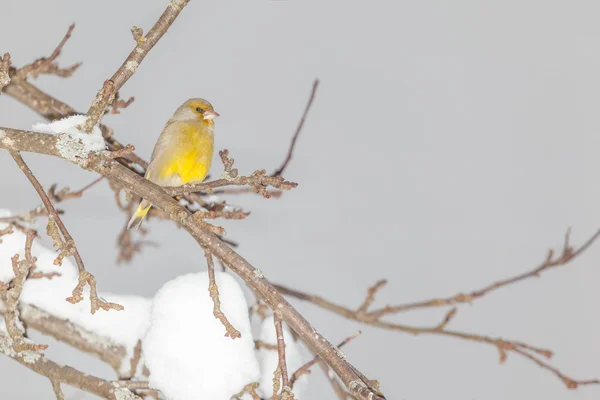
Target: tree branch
(47,65)
(213,290)
(503,346)
(129,180)
(64,374)
(568,254)
(143,45)
(281,370)
(67,247)
(5,64)
(298,130)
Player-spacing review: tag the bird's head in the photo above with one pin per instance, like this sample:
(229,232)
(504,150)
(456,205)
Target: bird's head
(196,110)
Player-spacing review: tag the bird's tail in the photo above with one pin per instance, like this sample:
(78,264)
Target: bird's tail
(139,214)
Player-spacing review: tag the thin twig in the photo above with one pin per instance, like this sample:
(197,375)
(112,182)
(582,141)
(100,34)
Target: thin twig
(213,290)
(298,129)
(259,181)
(305,369)
(57,390)
(67,246)
(281,364)
(65,194)
(130,65)
(250,389)
(66,375)
(568,254)
(47,65)
(19,140)
(21,269)
(5,64)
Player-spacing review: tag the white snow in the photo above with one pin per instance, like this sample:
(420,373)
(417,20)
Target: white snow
(123,328)
(185,348)
(269,359)
(74,143)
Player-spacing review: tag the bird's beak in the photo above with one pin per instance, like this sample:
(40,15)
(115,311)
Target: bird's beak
(210,114)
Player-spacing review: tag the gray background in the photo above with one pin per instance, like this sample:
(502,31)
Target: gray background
(450,145)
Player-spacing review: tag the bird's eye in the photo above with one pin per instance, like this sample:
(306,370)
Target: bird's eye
(199,110)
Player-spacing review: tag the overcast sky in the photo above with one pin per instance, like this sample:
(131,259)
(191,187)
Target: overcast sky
(450,145)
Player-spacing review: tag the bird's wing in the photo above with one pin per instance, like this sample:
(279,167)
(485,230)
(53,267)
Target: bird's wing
(160,155)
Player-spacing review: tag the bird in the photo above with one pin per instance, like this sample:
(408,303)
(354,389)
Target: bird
(183,152)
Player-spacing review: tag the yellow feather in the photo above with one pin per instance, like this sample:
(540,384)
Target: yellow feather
(190,156)
(183,153)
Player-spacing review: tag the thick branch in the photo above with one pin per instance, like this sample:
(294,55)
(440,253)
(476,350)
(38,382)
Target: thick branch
(73,335)
(28,141)
(64,374)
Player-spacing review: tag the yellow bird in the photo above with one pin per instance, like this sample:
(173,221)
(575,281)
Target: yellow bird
(183,152)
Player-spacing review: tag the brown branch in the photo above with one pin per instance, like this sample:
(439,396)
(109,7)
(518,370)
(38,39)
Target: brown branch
(21,270)
(250,389)
(213,290)
(57,390)
(65,194)
(281,370)
(502,345)
(5,64)
(258,180)
(132,62)
(37,100)
(64,374)
(337,387)
(137,357)
(6,231)
(568,254)
(305,369)
(119,104)
(73,335)
(298,130)
(371,295)
(67,247)
(17,140)
(47,65)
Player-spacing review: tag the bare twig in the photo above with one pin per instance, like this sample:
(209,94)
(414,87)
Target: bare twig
(130,65)
(568,254)
(57,390)
(213,290)
(259,181)
(135,360)
(65,194)
(118,104)
(46,144)
(47,65)
(305,369)
(73,335)
(502,345)
(67,247)
(65,374)
(132,385)
(371,295)
(121,152)
(281,370)
(21,270)
(6,231)
(250,389)
(96,302)
(298,129)
(5,64)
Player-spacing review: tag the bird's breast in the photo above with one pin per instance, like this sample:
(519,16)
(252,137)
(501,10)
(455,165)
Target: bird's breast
(190,157)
